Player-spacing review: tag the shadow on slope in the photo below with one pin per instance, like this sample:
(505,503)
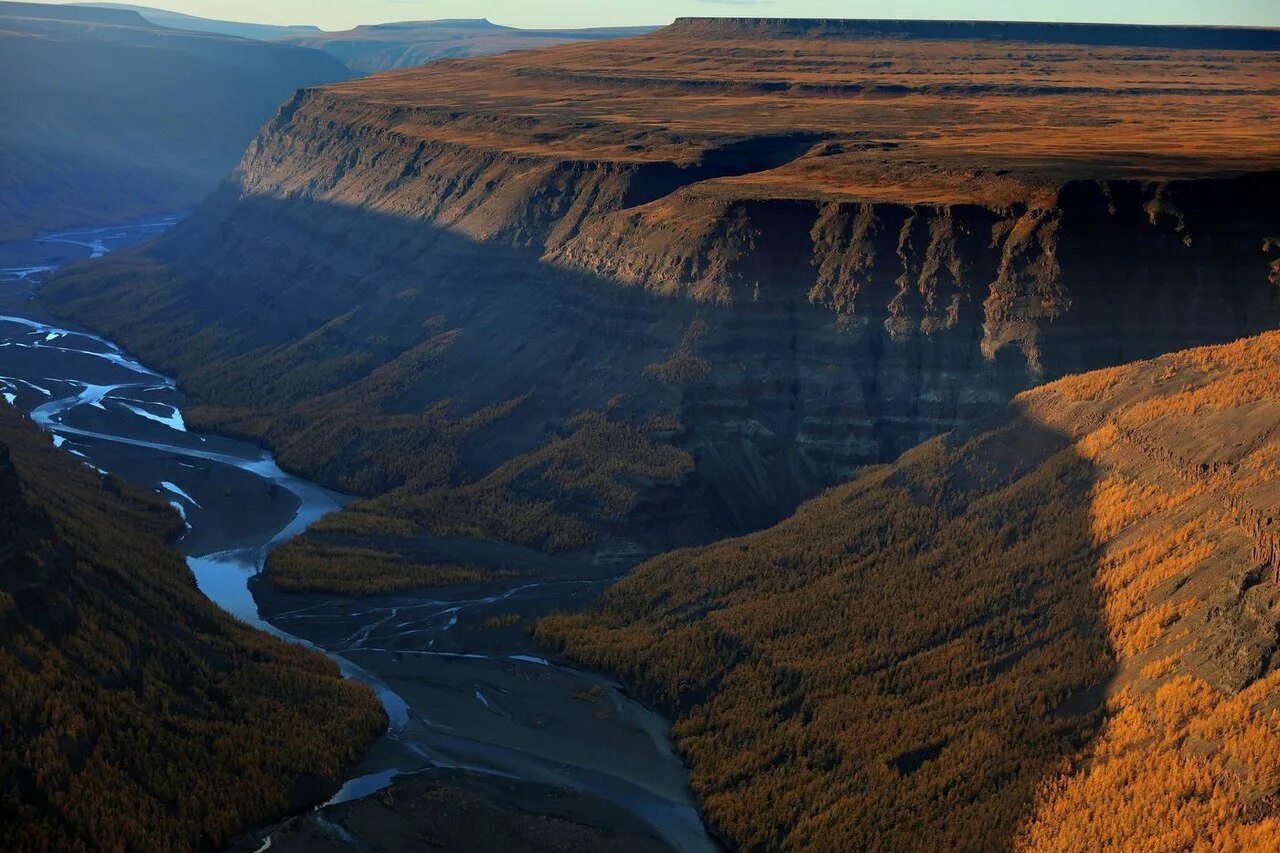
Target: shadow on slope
(898,665)
(472,389)
(374,352)
(900,662)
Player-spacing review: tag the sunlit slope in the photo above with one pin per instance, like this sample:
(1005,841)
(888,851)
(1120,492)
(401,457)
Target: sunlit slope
(1054,629)
(136,714)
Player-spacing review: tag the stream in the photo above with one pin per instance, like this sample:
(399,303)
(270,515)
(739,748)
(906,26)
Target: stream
(466,691)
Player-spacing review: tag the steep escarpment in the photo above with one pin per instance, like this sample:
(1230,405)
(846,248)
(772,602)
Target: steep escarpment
(1055,629)
(1110,35)
(571,299)
(107,117)
(137,715)
(1089,253)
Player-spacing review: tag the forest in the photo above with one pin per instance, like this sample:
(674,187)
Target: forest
(553,499)
(1053,630)
(137,714)
(346,411)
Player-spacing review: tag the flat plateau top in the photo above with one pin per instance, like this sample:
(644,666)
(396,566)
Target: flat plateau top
(910,113)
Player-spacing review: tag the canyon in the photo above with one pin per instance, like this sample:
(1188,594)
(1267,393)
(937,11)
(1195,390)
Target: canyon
(480,731)
(109,117)
(908,384)
(1053,629)
(625,296)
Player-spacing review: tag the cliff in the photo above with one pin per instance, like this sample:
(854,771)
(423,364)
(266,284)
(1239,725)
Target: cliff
(1100,35)
(107,116)
(1055,629)
(646,292)
(138,715)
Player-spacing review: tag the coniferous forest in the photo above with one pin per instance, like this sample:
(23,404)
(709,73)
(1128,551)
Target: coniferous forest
(137,715)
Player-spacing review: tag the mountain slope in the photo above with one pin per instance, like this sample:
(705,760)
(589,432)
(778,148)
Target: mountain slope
(1056,628)
(107,116)
(241,29)
(571,299)
(137,715)
(381,47)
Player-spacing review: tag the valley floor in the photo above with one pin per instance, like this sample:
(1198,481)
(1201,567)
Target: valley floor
(472,698)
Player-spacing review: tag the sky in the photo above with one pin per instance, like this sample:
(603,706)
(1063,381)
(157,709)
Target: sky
(343,14)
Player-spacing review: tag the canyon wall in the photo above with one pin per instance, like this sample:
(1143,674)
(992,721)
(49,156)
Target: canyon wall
(416,283)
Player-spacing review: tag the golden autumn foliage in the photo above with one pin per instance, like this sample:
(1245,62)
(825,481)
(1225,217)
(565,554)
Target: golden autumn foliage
(1184,768)
(1054,630)
(316,565)
(134,714)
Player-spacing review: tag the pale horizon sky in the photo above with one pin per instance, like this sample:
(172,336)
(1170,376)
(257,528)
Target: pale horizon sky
(343,14)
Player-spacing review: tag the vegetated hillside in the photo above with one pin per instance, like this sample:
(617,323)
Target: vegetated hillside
(648,292)
(107,116)
(381,47)
(1055,628)
(137,715)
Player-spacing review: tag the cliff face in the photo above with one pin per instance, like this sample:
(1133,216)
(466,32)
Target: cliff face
(138,715)
(415,281)
(1222,38)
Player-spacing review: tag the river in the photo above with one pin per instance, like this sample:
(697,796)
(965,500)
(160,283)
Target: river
(467,692)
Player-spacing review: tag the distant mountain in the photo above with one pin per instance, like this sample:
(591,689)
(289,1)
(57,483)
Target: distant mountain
(179,21)
(106,115)
(380,47)
(136,714)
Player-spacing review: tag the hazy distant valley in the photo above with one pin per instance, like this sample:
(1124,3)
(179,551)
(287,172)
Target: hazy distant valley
(888,405)
(115,111)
